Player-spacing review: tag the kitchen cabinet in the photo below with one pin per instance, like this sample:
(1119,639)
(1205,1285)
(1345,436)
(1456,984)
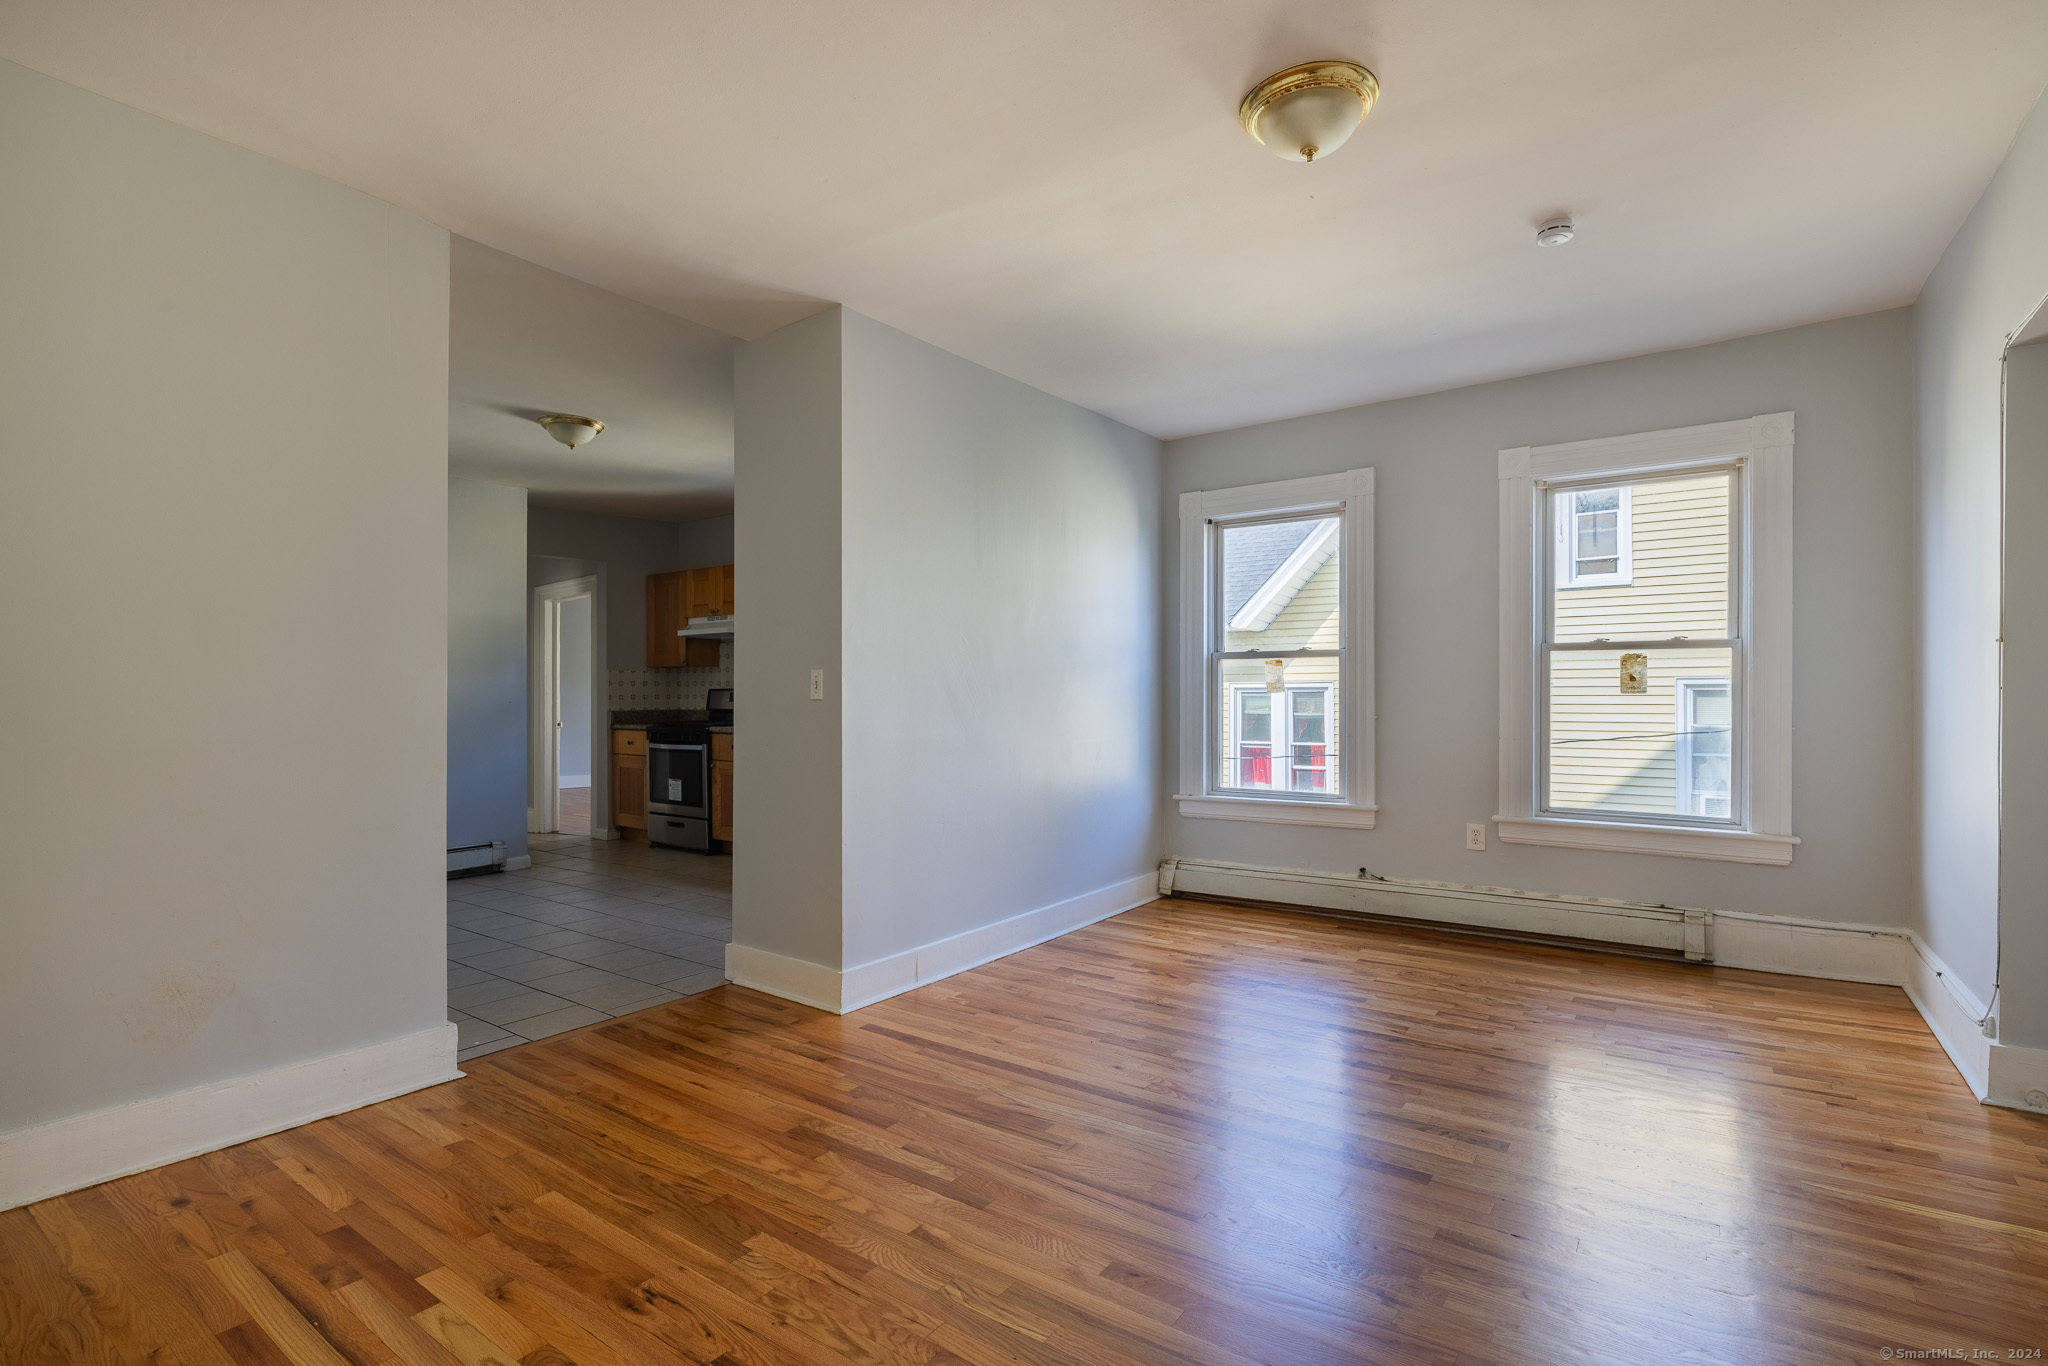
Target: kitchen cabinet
(707,592)
(629,780)
(674,598)
(664,618)
(721,788)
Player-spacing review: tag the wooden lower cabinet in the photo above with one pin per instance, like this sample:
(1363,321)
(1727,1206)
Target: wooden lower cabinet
(721,789)
(629,779)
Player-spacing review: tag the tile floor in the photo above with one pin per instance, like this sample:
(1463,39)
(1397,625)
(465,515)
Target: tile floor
(593,930)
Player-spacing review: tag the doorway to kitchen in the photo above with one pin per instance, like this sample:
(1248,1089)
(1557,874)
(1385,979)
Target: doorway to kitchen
(563,718)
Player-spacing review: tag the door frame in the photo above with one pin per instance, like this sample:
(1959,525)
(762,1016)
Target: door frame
(544,805)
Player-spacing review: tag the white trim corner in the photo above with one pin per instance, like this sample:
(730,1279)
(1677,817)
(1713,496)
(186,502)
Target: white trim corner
(842,991)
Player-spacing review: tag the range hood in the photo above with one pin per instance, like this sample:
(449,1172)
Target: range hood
(708,628)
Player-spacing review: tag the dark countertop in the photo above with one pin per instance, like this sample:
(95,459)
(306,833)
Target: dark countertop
(629,720)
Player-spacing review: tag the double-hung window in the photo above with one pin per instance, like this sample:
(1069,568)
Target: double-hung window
(1646,600)
(1276,652)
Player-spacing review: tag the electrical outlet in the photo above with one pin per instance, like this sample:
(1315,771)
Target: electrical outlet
(817,685)
(1475,837)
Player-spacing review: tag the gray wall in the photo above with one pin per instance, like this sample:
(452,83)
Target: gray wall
(1849,384)
(2023,852)
(1000,643)
(786,748)
(1989,282)
(224,746)
(629,549)
(969,560)
(486,664)
(706,541)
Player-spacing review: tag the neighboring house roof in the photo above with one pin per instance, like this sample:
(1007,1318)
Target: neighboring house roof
(1251,554)
(1264,566)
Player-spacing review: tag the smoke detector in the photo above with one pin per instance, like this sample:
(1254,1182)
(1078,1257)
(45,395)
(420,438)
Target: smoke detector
(1555,233)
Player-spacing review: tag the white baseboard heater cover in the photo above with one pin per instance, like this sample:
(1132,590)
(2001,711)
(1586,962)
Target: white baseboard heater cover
(1671,929)
(477,858)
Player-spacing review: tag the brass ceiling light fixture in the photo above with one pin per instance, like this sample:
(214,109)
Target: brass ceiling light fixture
(569,429)
(1308,111)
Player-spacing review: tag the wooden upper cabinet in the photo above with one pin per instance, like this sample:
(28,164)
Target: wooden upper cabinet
(664,618)
(707,592)
(674,598)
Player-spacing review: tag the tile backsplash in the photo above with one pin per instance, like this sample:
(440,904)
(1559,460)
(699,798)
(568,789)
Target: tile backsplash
(668,689)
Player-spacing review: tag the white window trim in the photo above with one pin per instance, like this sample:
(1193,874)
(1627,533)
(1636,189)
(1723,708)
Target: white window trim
(1762,447)
(1352,494)
(1568,575)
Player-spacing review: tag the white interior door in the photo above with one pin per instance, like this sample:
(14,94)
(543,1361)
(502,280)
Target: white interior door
(544,803)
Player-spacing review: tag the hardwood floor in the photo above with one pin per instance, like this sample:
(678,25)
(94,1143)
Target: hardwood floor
(573,810)
(1191,1133)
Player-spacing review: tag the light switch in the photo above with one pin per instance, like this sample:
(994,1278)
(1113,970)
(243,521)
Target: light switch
(817,685)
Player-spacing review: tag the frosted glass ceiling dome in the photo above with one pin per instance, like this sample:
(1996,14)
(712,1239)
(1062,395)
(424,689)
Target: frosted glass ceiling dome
(1309,111)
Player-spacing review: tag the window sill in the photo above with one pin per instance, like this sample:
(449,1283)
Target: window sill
(1279,812)
(1728,846)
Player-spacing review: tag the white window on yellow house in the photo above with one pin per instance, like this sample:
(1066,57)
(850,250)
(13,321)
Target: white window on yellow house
(1276,652)
(1595,541)
(1705,747)
(1646,643)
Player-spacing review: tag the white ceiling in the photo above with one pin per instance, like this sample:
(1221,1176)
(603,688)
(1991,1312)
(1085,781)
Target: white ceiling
(524,340)
(1059,189)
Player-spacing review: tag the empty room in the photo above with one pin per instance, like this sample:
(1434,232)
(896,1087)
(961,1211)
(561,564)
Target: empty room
(1089,685)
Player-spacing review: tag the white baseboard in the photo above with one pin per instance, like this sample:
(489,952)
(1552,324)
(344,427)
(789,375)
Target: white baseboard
(2000,1073)
(518,861)
(1633,924)
(793,979)
(84,1150)
(1951,1011)
(1839,951)
(573,780)
(814,984)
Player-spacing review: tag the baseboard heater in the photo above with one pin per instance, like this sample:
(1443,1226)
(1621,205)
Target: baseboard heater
(471,859)
(1675,931)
